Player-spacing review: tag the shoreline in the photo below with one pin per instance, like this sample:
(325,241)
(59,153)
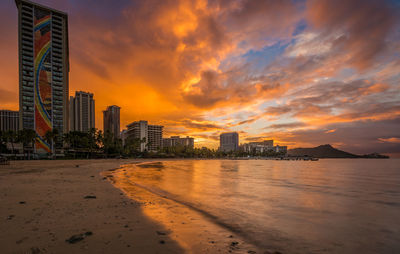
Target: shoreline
(196,231)
(43,204)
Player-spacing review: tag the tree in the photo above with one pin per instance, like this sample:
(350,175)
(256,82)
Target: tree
(27,137)
(132,145)
(3,142)
(11,137)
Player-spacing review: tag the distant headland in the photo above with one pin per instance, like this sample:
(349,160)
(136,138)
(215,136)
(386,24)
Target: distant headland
(327,151)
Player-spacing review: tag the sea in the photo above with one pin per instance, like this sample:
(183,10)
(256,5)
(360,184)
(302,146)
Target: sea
(325,206)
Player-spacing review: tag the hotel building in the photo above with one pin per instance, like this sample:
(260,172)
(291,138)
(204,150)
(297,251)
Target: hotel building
(178,141)
(111,120)
(229,142)
(43,71)
(81,110)
(9,120)
(263,147)
(150,135)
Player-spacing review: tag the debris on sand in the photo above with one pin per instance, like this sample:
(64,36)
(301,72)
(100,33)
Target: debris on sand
(78,237)
(35,250)
(90,197)
(161,233)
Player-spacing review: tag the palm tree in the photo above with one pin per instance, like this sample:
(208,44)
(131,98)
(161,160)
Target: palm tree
(50,137)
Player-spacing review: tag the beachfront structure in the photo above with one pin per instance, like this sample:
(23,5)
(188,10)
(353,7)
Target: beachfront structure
(178,141)
(111,120)
(9,120)
(260,147)
(229,142)
(150,136)
(124,136)
(263,147)
(43,71)
(81,112)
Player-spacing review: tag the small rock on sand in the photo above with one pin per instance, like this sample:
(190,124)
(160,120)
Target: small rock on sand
(78,237)
(35,250)
(90,197)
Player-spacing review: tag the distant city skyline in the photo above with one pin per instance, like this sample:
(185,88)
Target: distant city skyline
(314,77)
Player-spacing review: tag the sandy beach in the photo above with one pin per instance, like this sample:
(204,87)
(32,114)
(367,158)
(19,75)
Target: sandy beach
(72,207)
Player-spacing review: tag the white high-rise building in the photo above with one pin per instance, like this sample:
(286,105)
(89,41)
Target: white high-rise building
(82,112)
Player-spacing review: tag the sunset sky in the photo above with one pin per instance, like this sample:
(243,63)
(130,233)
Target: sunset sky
(303,73)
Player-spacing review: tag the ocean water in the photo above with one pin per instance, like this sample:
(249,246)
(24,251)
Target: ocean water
(325,206)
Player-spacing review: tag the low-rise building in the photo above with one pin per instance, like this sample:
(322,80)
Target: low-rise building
(9,120)
(178,141)
(263,147)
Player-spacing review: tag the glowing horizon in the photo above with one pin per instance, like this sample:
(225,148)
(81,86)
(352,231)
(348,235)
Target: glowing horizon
(303,73)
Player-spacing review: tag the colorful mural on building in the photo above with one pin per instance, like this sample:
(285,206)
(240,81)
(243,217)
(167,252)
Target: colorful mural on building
(43,93)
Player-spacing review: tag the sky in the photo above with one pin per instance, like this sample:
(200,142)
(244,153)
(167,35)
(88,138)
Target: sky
(301,72)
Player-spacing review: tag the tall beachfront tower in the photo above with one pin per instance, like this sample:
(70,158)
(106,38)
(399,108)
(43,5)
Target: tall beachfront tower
(81,112)
(43,71)
(111,120)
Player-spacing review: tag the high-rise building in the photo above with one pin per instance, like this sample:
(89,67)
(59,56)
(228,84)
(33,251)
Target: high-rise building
(178,141)
(229,141)
(111,120)
(9,120)
(149,135)
(43,71)
(81,112)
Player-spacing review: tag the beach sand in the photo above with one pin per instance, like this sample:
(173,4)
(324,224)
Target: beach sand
(43,204)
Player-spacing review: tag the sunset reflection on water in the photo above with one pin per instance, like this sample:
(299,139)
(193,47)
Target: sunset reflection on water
(329,206)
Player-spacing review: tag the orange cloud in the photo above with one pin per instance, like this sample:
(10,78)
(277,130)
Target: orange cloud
(203,67)
(390,140)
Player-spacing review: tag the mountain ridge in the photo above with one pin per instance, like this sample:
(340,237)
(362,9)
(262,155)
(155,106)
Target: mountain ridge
(328,151)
